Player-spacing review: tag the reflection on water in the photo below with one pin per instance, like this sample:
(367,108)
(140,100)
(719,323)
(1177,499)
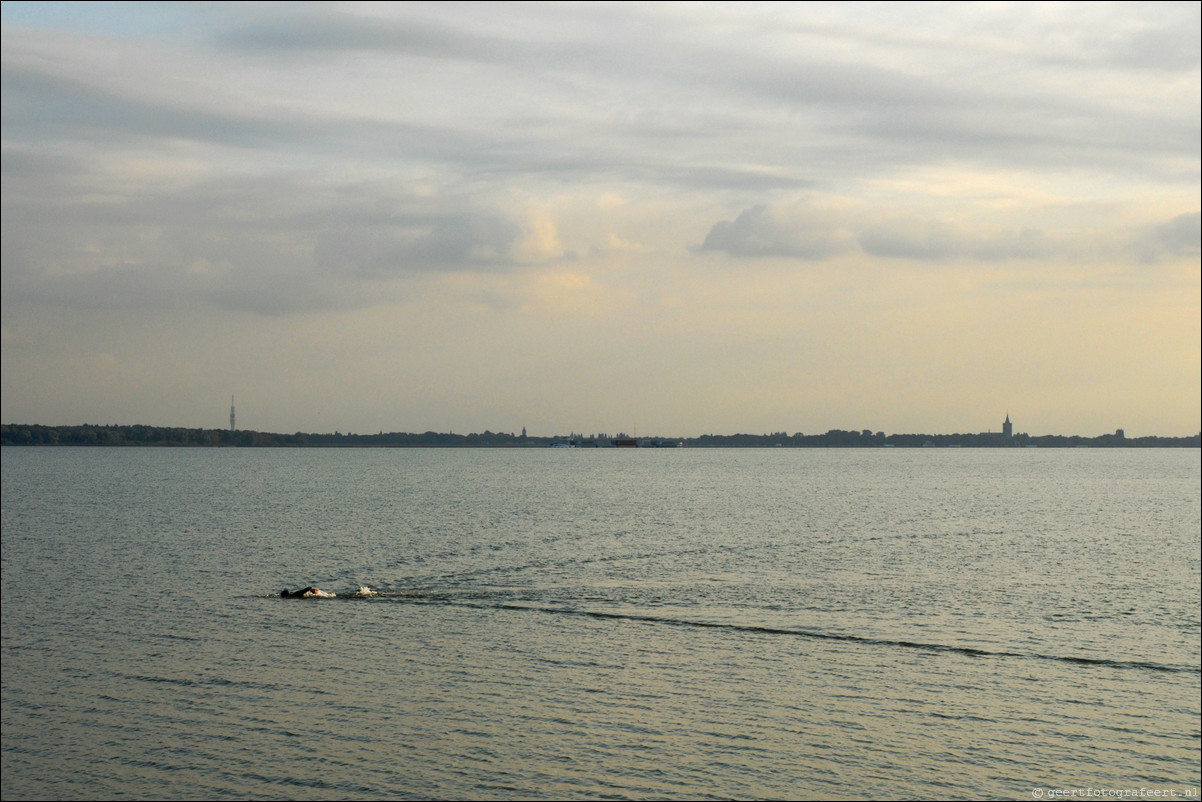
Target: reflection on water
(616,624)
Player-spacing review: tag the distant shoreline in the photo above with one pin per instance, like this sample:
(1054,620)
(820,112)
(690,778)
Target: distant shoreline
(160,436)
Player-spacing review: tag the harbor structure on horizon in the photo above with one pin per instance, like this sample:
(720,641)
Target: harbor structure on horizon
(232,426)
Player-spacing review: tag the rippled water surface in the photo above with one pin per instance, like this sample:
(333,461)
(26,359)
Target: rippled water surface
(619,624)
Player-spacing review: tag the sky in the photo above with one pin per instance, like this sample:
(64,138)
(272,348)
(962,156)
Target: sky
(673,219)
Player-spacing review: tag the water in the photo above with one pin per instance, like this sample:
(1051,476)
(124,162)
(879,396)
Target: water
(599,624)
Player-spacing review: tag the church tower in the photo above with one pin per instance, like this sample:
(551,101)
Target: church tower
(1007,427)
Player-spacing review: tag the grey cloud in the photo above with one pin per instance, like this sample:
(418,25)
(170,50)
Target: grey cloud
(937,240)
(40,105)
(1163,37)
(718,177)
(759,232)
(879,114)
(49,108)
(327,32)
(800,233)
(913,241)
(269,245)
(992,108)
(585,91)
(463,240)
(1181,236)
(23,162)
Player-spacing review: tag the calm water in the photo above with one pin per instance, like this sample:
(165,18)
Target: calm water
(599,624)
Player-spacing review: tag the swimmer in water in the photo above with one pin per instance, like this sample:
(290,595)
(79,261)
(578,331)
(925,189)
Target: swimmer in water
(308,593)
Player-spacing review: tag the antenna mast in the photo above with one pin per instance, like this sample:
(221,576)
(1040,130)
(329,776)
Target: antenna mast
(231,413)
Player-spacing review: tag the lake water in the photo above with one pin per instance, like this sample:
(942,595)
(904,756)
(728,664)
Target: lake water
(608,624)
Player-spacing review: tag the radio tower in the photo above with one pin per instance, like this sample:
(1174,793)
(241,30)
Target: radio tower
(231,413)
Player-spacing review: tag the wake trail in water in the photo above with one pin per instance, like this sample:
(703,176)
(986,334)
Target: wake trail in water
(450,599)
(830,636)
(554,564)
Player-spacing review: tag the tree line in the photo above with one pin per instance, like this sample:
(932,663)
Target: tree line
(140,435)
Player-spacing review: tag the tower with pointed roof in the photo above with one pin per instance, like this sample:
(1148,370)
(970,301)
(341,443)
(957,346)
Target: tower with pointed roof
(1007,427)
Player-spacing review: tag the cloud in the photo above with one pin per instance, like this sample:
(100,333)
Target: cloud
(61,104)
(177,161)
(334,31)
(793,232)
(764,232)
(272,244)
(465,239)
(938,240)
(1181,236)
(803,232)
